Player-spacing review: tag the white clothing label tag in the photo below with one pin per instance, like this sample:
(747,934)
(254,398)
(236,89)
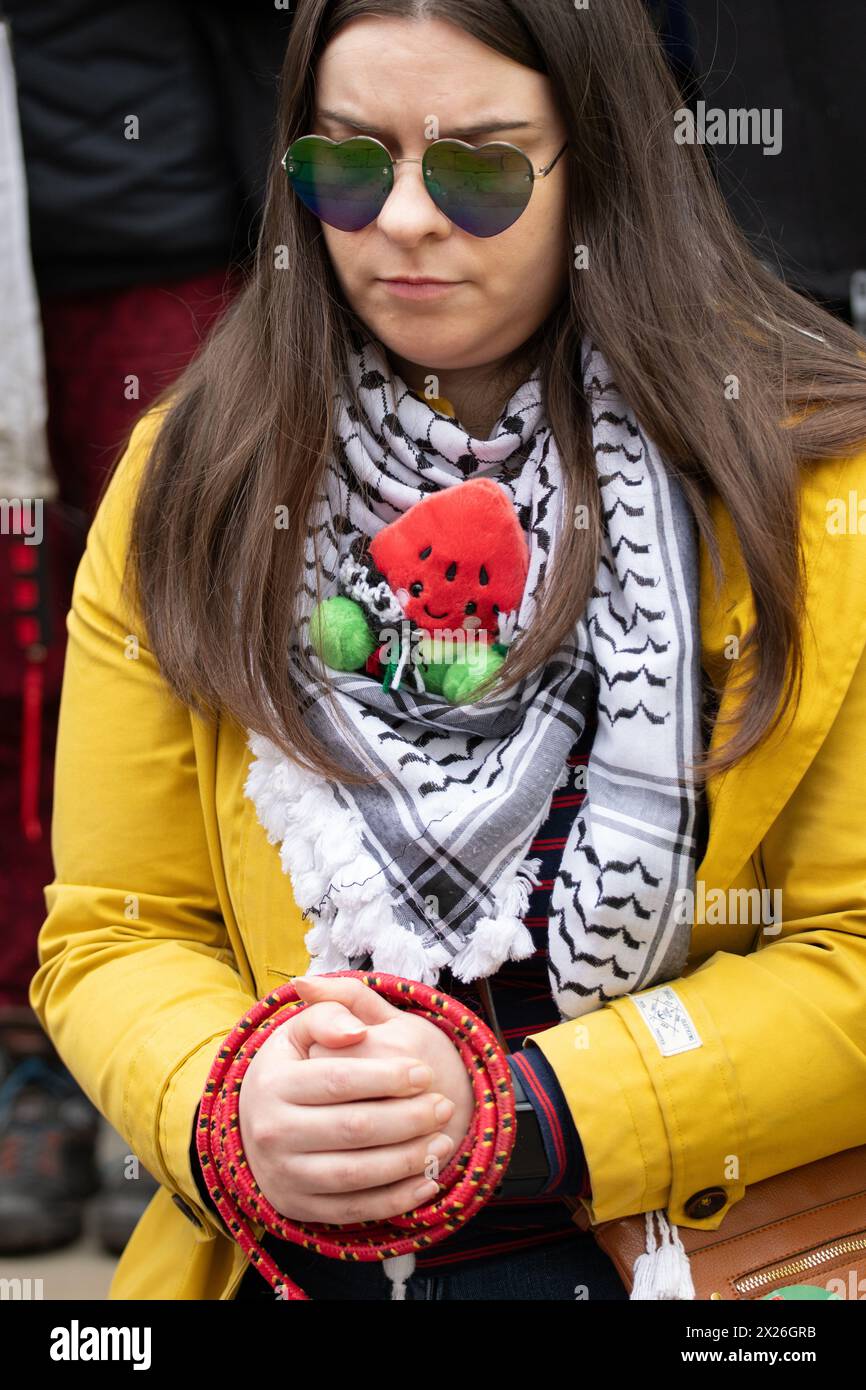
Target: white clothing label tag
(668,1019)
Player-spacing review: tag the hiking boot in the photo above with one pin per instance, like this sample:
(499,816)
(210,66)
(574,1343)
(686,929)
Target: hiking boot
(48,1134)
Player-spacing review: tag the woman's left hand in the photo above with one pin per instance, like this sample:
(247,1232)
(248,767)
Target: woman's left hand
(404,1034)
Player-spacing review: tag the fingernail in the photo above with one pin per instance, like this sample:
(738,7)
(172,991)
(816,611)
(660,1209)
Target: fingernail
(441,1145)
(420,1076)
(443,1110)
(351,1030)
(427,1189)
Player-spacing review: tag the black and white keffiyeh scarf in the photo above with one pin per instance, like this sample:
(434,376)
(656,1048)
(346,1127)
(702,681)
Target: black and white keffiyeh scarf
(427,867)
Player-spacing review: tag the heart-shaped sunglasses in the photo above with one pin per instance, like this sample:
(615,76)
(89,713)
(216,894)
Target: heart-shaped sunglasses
(481,189)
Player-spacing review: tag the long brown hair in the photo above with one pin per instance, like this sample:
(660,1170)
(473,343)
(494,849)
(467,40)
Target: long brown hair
(674,298)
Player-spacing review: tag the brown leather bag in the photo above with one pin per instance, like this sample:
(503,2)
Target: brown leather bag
(806,1226)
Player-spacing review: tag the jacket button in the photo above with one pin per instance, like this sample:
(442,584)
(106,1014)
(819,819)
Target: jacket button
(185,1208)
(706,1202)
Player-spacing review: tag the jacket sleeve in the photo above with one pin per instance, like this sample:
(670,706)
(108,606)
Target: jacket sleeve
(779,1079)
(198,1174)
(566,1166)
(137,984)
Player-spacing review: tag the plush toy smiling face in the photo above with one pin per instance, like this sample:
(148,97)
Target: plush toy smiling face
(457,559)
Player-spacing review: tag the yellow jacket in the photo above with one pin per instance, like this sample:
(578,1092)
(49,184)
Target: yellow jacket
(169,914)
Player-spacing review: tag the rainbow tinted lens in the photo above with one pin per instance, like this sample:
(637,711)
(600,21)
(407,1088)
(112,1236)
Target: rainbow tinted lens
(483,191)
(345,185)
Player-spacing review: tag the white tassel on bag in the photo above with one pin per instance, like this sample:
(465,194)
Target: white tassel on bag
(663,1271)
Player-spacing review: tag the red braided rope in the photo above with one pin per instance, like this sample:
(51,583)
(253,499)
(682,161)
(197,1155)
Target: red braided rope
(468,1181)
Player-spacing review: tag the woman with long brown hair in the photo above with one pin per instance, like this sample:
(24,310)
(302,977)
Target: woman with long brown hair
(505,370)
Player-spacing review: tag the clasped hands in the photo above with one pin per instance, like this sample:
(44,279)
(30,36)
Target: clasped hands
(352,1107)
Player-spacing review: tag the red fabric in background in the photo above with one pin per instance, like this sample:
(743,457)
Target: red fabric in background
(93,344)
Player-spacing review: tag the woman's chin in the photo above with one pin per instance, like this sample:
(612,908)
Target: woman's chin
(432,343)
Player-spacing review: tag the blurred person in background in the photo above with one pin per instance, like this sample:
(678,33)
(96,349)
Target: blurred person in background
(802,208)
(135,135)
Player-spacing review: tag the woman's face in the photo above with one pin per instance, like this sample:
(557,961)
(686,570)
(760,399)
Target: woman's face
(387,78)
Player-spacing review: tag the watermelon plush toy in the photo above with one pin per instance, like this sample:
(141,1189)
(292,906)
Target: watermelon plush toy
(450,571)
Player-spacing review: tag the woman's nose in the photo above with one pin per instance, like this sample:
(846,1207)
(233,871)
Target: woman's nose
(409,211)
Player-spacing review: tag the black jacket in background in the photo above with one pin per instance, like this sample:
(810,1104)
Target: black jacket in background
(186,196)
(803,209)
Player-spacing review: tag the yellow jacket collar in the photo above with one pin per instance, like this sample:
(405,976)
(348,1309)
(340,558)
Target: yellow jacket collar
(436,403)
(744,802)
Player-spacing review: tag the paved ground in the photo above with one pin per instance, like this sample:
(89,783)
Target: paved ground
(82,1271)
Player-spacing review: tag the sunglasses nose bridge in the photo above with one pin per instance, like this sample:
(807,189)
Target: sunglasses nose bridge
(423,185)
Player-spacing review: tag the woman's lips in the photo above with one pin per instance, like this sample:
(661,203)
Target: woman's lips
(420,289)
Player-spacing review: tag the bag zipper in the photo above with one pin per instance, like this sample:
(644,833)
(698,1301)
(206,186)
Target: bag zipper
(846,1246)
